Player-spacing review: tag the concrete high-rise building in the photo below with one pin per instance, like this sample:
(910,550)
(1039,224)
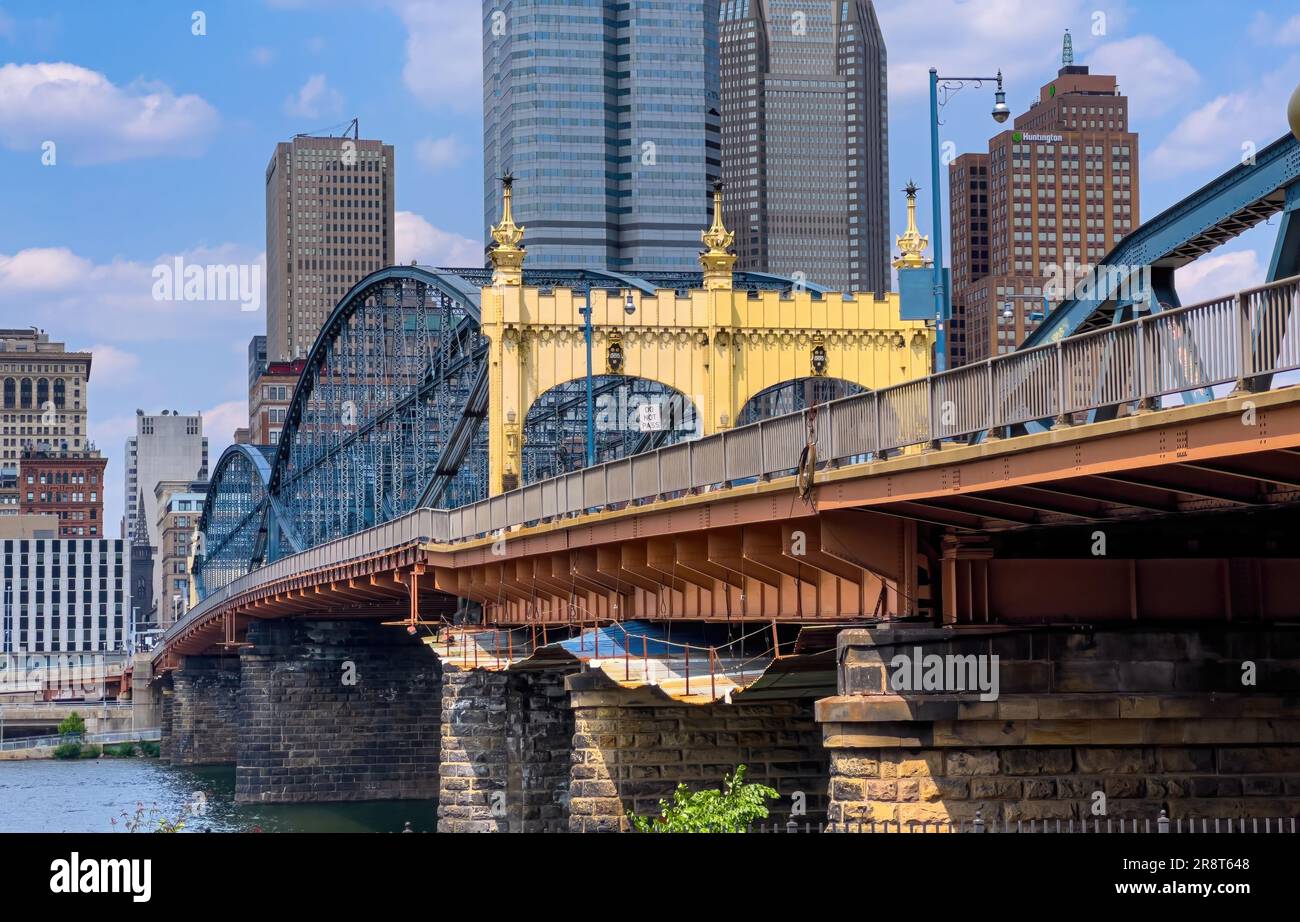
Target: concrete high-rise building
(61,595)
(607,114)
(805,140)
(329,222)
(166,446)
(1051,197)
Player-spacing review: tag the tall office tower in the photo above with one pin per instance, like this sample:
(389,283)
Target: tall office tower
(165,447)
(805,139)
(1061,189)
(329,222)
(607,115)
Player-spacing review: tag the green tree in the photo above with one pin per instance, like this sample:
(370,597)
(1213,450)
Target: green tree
(732,809)
(73,725)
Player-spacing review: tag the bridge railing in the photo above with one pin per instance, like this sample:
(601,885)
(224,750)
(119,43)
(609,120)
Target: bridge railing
(1231,339)
(1253,334)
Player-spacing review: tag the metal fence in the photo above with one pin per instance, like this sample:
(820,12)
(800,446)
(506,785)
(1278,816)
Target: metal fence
(1236,339)
(49,742)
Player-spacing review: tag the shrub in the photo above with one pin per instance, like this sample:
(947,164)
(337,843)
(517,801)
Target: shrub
(730,810)
(91,751)
(67,751)
(120,750)
(150,749)
(148,820)
(73,725)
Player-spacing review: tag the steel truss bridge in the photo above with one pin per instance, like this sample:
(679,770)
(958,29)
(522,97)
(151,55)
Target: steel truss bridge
(389,414)
(384,449)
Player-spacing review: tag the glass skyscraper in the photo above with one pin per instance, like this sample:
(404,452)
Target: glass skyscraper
(608,116)
(805,140)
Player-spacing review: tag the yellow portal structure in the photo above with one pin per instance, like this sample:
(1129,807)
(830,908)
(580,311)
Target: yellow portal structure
(716,345)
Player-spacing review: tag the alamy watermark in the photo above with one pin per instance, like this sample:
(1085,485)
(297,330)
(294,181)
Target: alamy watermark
(931,672)
(180,281)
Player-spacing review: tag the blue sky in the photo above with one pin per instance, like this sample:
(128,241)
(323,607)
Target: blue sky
(162,139)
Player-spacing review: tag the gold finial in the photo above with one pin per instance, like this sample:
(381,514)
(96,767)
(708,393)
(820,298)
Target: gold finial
(507,255)
(717,260)
(911,244)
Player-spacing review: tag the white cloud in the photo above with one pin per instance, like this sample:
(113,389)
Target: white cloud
(111,366)
(1216,134)
(1268,31)
(1151,75)
(219,425)
(965,38)
(1213,276)
(440,153)
(417,239)
(92,120)
(444,52)
(113,302)
(314,99)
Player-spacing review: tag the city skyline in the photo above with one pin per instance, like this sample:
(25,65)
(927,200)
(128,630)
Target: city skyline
(118,201)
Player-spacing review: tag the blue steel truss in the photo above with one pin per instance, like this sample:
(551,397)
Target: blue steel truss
(388,416)
(1212,215)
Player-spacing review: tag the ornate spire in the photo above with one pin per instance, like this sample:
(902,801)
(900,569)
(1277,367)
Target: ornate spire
(911,244)
(717,260)
(1067,50)
(508,254)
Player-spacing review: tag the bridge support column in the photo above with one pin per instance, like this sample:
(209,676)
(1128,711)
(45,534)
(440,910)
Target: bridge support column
(145,697)
(204,711)
(336,710)
(166,697)
(506,743)
(632,747)
(1082,725)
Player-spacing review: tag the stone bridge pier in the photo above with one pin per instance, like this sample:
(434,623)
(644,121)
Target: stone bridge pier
(1087,723)
(334,710)
(200,717)
(551,750)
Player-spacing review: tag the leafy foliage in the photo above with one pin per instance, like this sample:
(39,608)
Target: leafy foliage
(150,819)
(730,810)
(72,725)
(67,751)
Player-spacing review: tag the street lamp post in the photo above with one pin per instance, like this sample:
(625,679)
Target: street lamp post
(591,399)
(949,85)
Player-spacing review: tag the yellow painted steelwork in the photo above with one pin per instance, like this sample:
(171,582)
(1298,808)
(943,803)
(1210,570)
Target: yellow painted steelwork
(716,345)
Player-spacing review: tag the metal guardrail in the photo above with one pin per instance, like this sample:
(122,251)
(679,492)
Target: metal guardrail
(48,742)
(1234,339)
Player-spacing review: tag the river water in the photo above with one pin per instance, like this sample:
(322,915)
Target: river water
(86,795)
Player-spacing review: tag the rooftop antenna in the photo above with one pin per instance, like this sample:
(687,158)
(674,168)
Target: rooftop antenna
(1067,50)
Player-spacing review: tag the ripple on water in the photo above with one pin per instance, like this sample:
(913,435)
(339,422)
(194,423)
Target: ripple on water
(85,795)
